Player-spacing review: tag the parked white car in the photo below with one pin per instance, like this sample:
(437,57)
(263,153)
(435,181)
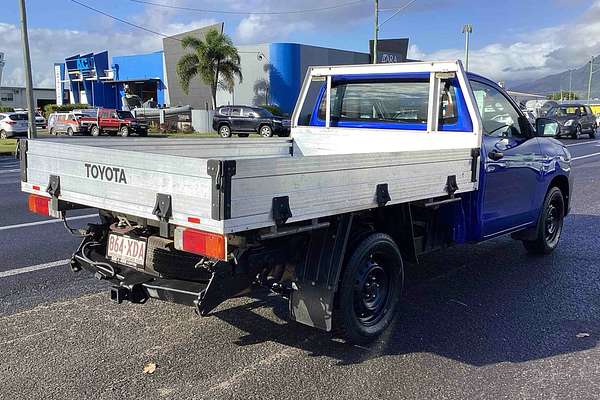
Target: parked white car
(13,124)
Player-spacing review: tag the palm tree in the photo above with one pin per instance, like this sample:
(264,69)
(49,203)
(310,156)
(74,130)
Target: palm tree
(215,60)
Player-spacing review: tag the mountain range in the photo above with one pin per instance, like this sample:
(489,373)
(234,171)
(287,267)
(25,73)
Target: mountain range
(554,83)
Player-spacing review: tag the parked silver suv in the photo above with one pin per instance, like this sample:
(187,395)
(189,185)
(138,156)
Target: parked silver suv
(13,124)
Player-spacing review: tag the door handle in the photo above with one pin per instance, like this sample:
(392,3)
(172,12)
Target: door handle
(495,155)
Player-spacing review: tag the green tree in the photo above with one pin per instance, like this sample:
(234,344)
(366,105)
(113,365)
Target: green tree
(215,60)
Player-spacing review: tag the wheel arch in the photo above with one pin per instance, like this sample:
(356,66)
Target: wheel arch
(562,182)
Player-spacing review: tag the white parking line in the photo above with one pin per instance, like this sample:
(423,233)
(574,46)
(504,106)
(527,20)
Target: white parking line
(579,144)
(586,156)
(6,171)
(50,221)
(24,270)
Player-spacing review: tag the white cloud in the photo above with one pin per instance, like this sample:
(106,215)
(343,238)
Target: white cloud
(48,46)
(534,54)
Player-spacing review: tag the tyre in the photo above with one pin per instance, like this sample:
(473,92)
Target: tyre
(550,224)
(266,131)
(243,134)
(577,133)
(52,132)
(370,289)
(95,130)
(225,131)
(593,132)
(124,131)
(3,135)
(70,131)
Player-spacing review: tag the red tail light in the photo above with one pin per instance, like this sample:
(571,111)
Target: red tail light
(10,122)
(201,243)
(39,204)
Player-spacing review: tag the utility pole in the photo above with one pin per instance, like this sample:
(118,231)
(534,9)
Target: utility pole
(376,32)
(590,81)
(31,133)
(467,30)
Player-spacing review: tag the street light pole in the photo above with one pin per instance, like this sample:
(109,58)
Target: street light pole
(590,80)
(376,32)
(32,133)
(467,30)
(570,84)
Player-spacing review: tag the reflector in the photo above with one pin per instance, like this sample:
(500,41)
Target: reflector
(39,204)
(200,242)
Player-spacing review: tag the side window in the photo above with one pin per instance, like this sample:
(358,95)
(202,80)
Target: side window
(224,111)
(499,117)
(582,111)
(236,112)
(249,113)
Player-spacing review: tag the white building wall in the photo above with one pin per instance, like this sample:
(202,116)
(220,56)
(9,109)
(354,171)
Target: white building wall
(16,97)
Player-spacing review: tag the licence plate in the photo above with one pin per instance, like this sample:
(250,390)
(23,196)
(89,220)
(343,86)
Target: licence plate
(127,251)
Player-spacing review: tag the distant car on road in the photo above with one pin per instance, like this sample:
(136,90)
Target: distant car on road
(65,122)
(114,122)
(244,120)
(574,119)
(13,124)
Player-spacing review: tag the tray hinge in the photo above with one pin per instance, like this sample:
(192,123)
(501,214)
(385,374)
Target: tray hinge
(221,172)
(53,190)
(281,210)
(382,194)
(451,185)
(163,209)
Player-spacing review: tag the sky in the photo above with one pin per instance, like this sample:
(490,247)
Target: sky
(512,40)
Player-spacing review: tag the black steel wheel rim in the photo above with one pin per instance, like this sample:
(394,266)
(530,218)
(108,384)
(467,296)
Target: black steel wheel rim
(553,221)
(373,289)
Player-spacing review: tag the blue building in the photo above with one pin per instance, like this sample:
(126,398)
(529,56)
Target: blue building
(272,74)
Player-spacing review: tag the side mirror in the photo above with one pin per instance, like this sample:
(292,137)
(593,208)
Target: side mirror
(546,127)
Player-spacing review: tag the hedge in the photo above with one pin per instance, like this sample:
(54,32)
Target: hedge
(6,109)
(50,108)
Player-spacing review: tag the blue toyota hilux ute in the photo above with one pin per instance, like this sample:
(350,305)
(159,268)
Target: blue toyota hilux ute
(385,163)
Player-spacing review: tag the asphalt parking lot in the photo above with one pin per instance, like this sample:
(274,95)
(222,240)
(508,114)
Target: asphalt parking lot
(478,321)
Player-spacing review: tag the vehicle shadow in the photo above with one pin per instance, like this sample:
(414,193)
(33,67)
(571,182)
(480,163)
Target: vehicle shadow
(477,304)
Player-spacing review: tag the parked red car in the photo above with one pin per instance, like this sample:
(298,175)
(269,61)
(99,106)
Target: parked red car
(114,122)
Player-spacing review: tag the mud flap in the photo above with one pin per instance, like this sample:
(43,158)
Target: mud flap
(312,301)
(224,284)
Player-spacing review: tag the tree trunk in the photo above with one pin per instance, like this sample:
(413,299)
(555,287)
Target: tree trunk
(215,85)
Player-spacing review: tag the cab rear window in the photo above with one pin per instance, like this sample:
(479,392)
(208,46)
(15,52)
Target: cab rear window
(392,104)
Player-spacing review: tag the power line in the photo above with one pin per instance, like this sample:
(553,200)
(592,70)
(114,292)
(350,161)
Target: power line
(308,10)
(124,21)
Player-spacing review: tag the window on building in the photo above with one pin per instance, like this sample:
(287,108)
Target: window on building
(7,96)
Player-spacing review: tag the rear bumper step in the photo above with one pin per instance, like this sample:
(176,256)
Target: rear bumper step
(136,286)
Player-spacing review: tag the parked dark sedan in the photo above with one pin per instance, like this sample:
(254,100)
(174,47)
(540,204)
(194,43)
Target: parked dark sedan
(574,119)
(244,120)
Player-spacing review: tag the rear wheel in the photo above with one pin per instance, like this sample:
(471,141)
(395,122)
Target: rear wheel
(95,130)
(550,224)
(124,131)
(577,133)
(70,131)
(225,131)
(265,131)
(3,134)
(593,132)
(370,289)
